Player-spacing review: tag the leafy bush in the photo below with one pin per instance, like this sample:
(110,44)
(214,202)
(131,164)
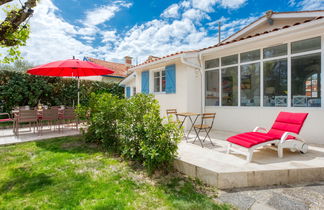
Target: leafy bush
(19,89)
(103,112)
(134,128)
(145,137)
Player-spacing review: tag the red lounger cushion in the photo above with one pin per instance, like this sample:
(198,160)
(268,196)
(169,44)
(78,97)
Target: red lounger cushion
(285,122)
(250,139)
(5,120)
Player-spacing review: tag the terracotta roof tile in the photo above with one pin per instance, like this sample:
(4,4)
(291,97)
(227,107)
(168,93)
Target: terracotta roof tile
(120,69)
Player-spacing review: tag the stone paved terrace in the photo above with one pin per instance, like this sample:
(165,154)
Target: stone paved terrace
(7,136)
(213,166)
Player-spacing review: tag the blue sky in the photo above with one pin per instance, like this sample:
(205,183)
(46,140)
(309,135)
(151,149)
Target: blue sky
(112,29)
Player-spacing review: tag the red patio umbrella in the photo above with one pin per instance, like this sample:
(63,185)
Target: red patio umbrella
(70,68)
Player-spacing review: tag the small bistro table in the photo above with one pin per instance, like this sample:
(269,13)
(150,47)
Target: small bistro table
(189,115)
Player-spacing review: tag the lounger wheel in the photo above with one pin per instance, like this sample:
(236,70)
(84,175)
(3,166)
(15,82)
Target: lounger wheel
(304,149)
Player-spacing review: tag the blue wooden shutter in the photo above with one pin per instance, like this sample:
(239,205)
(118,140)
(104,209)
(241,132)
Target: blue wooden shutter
(170,77)
(128,92)
(145,82)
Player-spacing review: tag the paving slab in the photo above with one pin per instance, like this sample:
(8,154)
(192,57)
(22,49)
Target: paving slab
(25,135)
(232,170)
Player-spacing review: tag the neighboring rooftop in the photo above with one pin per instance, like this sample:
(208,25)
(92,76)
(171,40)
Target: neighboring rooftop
(120,69)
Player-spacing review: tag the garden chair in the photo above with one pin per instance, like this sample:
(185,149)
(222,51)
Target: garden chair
(26,116)
(51,117)
(5,118)
(283,134)
(207,122)
(172,112)
(70,116)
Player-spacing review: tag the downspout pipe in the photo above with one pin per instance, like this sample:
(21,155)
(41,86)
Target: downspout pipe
(200,68)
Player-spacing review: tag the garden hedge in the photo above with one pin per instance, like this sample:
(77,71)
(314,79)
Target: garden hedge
(19,89)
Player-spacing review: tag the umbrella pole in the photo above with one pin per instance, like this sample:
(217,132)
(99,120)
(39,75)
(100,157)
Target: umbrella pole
(78,91)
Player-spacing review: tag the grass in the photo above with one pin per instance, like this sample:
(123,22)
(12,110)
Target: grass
(70,174)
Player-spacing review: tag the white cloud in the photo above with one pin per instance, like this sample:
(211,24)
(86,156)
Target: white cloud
(108,36)
(208,5)
(104,13)
(309,4)
(232,4)
(171,12)
(204,5)
(51,37)
(195,14)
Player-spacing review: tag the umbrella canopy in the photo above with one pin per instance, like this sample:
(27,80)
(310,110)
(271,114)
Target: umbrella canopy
(70,68)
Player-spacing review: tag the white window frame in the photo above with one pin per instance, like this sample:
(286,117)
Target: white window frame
(289,56)
(238,77)
(153,80)
(219,82)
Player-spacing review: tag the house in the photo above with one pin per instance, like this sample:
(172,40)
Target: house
(274,64)
(120,69)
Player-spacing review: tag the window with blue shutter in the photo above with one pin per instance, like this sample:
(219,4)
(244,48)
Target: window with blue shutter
(145,82)
(128,89)
(170,73)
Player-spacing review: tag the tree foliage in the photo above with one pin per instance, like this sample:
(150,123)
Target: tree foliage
(14,31)
(18,65)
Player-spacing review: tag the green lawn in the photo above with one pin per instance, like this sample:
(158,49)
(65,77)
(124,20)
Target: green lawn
(68,173)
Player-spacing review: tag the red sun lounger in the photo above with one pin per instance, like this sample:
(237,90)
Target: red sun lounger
(283,134)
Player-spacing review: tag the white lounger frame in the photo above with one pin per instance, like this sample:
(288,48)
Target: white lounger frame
(294,145)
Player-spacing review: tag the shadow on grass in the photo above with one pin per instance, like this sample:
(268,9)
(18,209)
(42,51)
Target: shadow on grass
(23,180)
(74,144)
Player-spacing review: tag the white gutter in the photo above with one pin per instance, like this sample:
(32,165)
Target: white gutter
(199,67)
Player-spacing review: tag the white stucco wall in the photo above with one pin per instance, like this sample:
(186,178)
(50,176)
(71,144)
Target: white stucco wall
(187,86)
(240,119)
(244,119)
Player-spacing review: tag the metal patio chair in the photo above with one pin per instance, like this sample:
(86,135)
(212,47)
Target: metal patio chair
(207,122)
(5,118)
(172,112)
(70,116)
(26,116)
(49,116)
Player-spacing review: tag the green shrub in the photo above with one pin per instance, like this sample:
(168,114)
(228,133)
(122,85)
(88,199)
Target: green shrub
(145,137)
(19,89)
(103,113)
(134,128)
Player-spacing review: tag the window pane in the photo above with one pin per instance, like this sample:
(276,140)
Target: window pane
(229,60)
(157,74)
(229,86)
(306,45)
(275,83)
(212,63)
(250,84)
(157,84)
(212,88)
(306,82)
(250,56)
(275,51)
